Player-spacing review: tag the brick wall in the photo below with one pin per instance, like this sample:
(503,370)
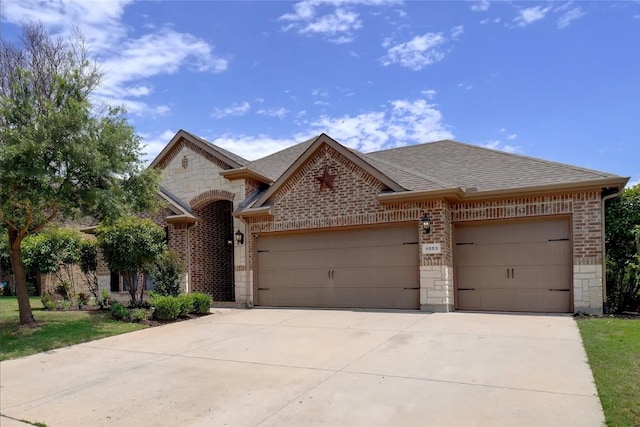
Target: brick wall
(212,270)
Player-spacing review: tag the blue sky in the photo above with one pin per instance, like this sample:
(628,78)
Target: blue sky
(558,80)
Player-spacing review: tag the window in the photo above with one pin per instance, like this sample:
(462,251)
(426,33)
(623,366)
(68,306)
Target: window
(148,283)
(115,281)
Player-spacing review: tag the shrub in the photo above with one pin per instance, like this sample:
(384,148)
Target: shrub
(48,302)
(120,312)
(64,304)
(202,303)
(81,300)
(31,289)
(166,273)
(187,304)
(138,315)
(167,308)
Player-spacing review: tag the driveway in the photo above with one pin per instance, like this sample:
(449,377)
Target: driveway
(275,367)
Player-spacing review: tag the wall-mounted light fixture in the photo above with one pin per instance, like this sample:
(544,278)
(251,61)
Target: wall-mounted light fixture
(239,237)
(425,222)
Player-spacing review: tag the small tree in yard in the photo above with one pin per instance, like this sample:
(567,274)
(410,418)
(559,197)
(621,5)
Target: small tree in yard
(623,250)
(59,156)
(130,246)
(55,251)
(89,265)
(166,274)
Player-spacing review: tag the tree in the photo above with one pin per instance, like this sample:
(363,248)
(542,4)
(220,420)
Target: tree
(54,251)
(623,251)
(59,156)
(166,273)
(130,246)
(89,265)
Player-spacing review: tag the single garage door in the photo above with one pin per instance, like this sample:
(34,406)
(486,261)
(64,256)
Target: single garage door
(365,268)
(519,266)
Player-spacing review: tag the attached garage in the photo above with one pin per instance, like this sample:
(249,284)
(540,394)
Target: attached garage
(359,268)
(514,266)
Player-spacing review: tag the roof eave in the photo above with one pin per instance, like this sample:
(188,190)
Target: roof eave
(181,219)
(245,173)
(254,212)
(597,185)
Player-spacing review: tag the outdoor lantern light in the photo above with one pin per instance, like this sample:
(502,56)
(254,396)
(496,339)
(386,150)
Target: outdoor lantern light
(425,221)
(239,237)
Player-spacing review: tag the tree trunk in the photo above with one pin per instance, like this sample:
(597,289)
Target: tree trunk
(20,277)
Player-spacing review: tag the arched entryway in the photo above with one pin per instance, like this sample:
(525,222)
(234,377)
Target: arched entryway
(212,250)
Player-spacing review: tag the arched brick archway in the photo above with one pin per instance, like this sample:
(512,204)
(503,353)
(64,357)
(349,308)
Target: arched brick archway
(211,255)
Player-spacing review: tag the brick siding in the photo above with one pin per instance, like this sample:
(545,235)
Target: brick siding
(211,258)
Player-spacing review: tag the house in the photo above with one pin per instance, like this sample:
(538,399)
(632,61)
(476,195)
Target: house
(440,226)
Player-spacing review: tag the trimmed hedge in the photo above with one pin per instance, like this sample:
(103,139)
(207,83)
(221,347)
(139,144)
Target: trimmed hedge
(202,303)
(167,308)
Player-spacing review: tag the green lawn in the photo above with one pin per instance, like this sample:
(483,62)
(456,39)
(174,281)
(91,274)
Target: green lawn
(55,329)
(613,348)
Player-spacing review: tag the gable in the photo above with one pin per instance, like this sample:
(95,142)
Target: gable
(347,190)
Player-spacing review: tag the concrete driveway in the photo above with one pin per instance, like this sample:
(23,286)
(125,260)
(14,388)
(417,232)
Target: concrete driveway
(271,367)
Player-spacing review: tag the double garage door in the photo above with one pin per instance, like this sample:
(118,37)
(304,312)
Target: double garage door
(514,266)
(365,268)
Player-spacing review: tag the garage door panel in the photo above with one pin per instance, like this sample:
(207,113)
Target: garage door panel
(373,268)
(519,266)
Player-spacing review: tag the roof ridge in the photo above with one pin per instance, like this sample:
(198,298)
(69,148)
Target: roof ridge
(443,184)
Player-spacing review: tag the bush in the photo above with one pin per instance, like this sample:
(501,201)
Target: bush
(31,289)
(48,302)
(187,304)
(120,312)
(166,274)
(202,303)
(138,315)
(65,304)
(167,308)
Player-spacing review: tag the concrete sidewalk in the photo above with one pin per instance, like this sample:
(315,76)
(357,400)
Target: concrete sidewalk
(274,367)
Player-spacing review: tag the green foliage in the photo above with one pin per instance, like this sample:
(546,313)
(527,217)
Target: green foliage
(202,303)
(61,157)
(89,264)
(48,302)
(5,261)
(166,273)
(623,250)
(138,315)
(131,245)
(32,291)
(187,304)
(166,308)
(120,312)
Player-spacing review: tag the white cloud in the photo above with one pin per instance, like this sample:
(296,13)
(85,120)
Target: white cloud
(499,145)
(253,147)
(403,122)
(569,16)
(530,15)
(127,62)
(418,52)
(456,32)
(481,6)
(334,19)
(280,113)
(235,109)
(153,144)
(633,182)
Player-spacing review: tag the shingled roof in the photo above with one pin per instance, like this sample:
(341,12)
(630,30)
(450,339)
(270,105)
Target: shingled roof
(449,164)
(435,167)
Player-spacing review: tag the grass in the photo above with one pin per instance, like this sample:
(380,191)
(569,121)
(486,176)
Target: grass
(613,349)
(55,329)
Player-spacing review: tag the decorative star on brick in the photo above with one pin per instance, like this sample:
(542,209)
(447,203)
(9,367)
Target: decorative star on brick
(326,179)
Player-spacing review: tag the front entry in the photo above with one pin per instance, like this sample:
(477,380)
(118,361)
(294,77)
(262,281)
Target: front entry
(212,251)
